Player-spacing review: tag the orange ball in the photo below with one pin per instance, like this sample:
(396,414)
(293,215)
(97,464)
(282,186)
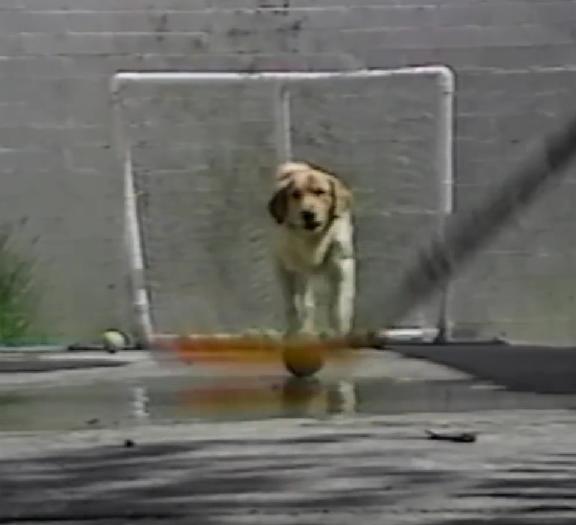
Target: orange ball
(303,360)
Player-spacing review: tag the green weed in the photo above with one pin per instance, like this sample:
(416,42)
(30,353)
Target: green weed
(16,294)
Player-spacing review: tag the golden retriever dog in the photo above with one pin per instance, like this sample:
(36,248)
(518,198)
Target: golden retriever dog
(314,238)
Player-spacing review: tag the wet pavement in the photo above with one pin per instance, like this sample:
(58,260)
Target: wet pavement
(75,391)
(124,439)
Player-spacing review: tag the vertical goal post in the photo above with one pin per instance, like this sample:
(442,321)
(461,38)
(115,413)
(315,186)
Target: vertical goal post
(280,82)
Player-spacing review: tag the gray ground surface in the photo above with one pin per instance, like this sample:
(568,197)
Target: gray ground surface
(282,452)
(371,469)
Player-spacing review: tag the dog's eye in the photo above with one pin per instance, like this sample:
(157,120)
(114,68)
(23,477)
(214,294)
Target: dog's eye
(296,194)
(319,192)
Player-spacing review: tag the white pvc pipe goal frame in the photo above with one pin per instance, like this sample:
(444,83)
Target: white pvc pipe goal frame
(280,82)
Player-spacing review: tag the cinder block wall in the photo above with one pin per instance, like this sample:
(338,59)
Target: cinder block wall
(59,182)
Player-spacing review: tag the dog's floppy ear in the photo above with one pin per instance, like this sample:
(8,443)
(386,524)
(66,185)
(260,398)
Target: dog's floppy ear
(341,196)
(278,205)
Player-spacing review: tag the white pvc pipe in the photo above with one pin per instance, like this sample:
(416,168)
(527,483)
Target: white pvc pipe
(445,172)
(283,77)
(132,235)
(282,124)
(444,153)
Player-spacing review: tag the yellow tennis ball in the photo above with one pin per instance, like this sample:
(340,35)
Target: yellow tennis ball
(114,340)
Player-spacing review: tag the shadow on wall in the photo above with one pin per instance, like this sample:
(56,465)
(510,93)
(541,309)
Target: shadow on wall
(17,293)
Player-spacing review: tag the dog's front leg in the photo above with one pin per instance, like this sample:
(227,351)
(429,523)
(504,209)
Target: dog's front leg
(289,288)
(299,307)
(306,305)
(343,289)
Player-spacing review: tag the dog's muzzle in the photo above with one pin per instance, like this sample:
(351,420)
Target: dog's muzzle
(309,220)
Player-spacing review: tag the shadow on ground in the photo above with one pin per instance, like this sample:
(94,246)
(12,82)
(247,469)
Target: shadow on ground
(380,474)
(525,368)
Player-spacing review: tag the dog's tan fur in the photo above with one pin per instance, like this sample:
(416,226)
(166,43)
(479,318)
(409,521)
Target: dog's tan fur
(312,209)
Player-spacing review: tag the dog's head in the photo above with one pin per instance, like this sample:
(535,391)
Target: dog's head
(308,198)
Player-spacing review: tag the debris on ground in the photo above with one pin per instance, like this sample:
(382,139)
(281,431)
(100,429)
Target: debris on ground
(455,437)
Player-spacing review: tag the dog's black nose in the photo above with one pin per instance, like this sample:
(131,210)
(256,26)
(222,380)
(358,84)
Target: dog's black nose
(308,216)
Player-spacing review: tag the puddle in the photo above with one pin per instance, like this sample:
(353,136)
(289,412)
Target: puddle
(184,399)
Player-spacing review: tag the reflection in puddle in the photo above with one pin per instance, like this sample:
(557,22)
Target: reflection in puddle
(181,399)
(290,397)
(140,402)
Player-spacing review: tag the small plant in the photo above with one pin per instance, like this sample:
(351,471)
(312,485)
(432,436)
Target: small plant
(16,301)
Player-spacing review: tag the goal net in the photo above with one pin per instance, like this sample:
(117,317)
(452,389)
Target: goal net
(199,153)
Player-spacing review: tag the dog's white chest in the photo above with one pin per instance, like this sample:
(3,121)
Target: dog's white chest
(303,253)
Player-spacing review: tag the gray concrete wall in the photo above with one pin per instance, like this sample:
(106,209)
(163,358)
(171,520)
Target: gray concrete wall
(60,184)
